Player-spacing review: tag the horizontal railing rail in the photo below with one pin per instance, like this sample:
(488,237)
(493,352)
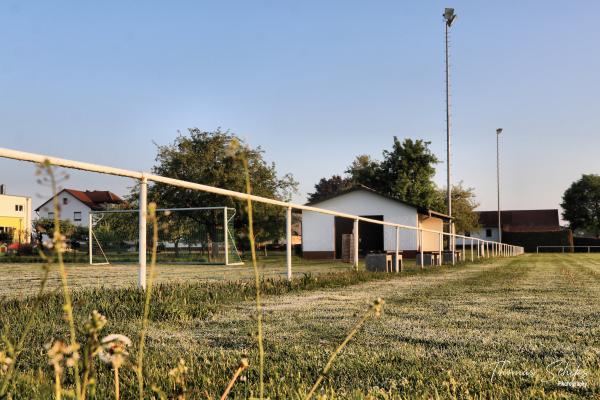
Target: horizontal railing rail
(487,246)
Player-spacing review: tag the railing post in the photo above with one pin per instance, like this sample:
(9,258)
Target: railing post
(288,245)
(355,237)
(90,238)
(142,232)
(225,236)
(452,243)
(441,245)
(464,254)
(472,251)
(421,248)
(398,265)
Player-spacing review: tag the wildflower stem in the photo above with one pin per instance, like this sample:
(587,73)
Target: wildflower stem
(236,375)
(259,335)
(57,388)
(140,356)
(117,389)
(29,324)
(373,311)
(68,306)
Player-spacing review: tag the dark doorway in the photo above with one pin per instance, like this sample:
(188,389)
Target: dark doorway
(370,236)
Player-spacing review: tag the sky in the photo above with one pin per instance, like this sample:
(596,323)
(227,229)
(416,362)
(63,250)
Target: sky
(314,83)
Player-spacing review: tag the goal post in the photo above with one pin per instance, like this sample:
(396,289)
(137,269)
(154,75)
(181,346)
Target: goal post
(195,235)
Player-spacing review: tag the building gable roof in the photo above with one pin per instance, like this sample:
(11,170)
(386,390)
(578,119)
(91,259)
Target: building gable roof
(95,199)
(420,210)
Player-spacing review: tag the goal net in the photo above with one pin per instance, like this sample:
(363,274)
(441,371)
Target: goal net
(203,235)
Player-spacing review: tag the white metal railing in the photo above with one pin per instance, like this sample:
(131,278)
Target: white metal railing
(484,247)
(569,249)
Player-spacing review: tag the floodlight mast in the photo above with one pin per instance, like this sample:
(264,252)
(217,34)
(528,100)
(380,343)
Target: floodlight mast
(498,132)
(449,18)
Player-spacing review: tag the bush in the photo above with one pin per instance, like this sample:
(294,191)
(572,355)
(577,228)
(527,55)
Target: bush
(25,249)
(6,237)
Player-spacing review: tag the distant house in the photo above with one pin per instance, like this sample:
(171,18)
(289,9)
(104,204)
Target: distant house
(75,205)
(322,233)
(15,218)
(527,228)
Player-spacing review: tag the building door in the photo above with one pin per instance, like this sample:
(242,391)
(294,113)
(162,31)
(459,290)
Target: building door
(370,236)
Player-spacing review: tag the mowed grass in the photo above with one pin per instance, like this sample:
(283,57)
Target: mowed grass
(22,279)
(506,328)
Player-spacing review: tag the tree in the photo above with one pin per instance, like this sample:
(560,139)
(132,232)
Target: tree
(46,226)
(463,207)
(365,171)
(407,172)
(328,187)
(581,205)
(206,157)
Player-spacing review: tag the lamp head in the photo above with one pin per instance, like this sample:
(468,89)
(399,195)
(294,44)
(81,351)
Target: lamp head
(449,16)
(498,131)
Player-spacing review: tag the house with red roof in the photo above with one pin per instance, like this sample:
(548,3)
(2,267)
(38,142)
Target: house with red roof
(75,205)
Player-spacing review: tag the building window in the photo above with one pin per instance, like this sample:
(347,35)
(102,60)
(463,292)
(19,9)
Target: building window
(18,207)
(77,216)
(65,201)
(488,233)
(50,215)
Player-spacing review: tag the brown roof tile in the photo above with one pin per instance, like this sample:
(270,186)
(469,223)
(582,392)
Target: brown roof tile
(95,199)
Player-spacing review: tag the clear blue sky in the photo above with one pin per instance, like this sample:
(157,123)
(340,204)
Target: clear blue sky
(315,83)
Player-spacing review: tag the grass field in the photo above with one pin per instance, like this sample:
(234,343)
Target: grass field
(526,327)
(18,280)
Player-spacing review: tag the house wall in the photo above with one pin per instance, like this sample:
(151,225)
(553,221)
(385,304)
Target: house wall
(17,219)
(481,234)
(67,211)
(318,234)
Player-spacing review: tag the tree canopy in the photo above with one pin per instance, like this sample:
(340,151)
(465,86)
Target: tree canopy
(405,173)
(328,187)
(205,157)
(463,207)
(581,205)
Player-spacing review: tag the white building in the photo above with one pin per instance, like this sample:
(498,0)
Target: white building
(322,233)
(75,205)
(15,216)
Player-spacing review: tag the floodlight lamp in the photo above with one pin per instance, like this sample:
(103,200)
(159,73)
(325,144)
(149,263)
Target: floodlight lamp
(498,131)
(449,16)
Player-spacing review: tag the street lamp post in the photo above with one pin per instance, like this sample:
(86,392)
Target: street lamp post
(498,132)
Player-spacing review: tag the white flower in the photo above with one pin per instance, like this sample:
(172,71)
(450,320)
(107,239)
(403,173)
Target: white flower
(5,362)
(114,349)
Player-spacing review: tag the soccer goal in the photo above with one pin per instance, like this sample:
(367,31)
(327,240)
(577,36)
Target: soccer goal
(202,235)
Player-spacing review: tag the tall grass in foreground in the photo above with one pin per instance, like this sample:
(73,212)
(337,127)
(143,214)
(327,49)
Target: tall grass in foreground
(74,362)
